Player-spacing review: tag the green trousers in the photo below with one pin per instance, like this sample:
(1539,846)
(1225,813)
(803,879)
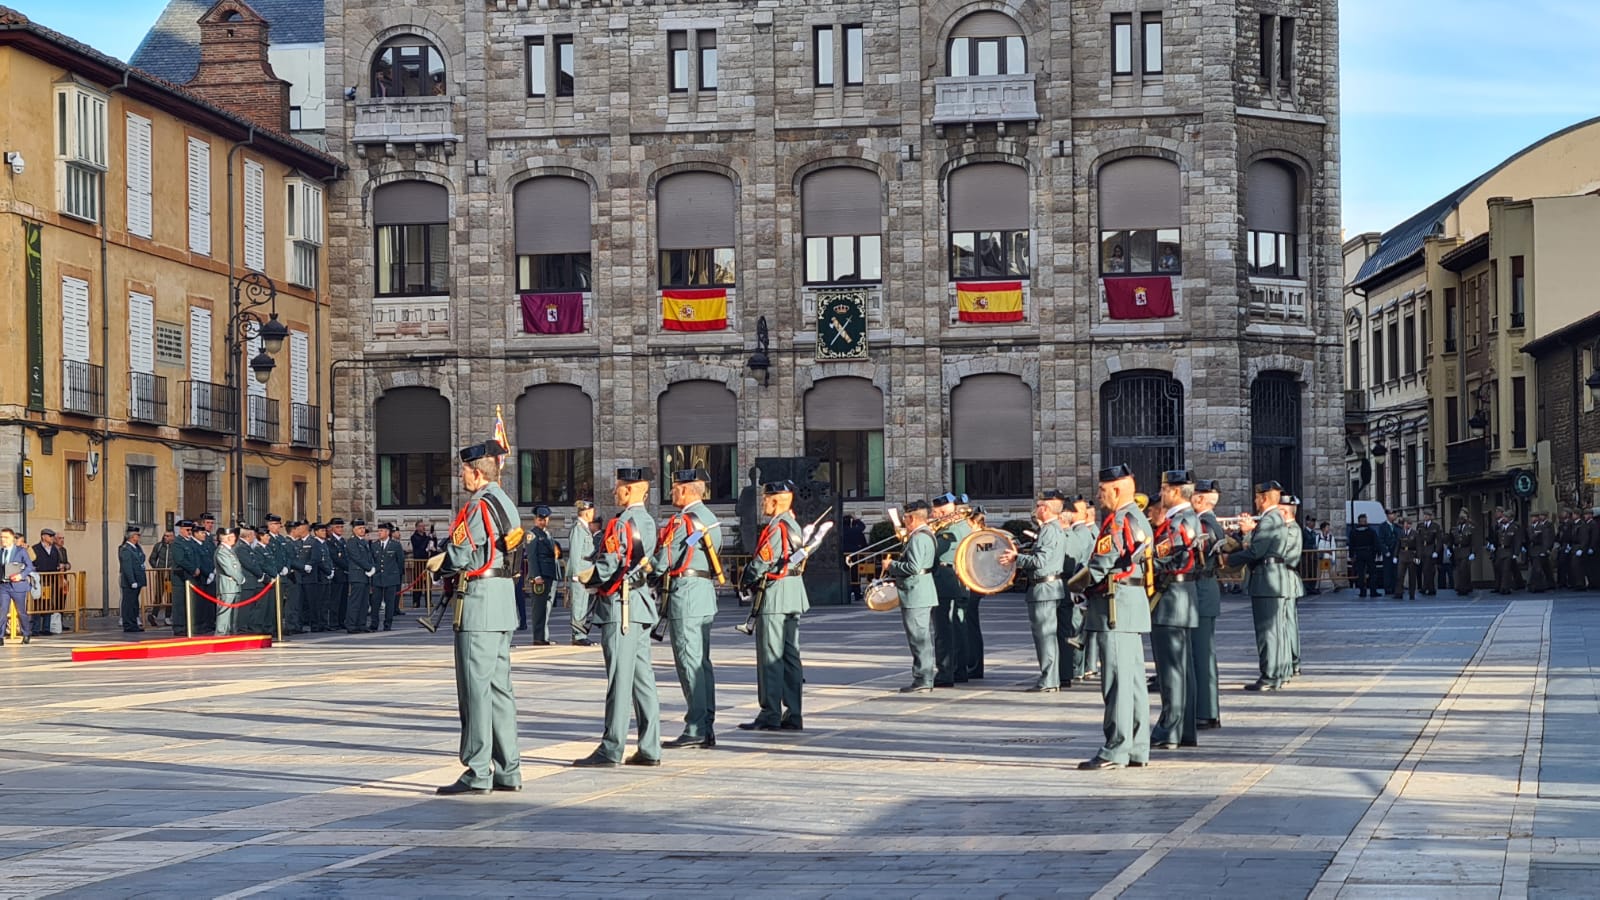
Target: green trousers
(1291,634)
(1042,624)
(779,675)
(1126,698)
(691,654)
(1271,644)
(919,637)
(630,690)
(969,638)
(1203,649)
(948,667)
(1172,646)
(488,709)
(578,599)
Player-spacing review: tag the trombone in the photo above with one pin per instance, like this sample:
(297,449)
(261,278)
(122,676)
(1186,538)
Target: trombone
(891,543)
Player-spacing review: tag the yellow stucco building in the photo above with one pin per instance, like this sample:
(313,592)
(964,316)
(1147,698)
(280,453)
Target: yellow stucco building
(136,219)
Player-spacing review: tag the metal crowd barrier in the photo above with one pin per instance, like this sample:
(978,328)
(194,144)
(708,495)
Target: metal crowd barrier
(421,588)
(155,597)
(64,593)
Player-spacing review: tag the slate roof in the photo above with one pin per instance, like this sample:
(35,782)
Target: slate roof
(171,49)
(1403,241)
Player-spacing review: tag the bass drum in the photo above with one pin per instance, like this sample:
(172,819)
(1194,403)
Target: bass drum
(978,565)
(882,596)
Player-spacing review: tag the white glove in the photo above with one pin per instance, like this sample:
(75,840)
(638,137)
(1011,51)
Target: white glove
(308,568)
(370,571)
(806,532)
(133,587)
(283,571)
(1471,557)
(1395,560)
(210,578)
(1436,556)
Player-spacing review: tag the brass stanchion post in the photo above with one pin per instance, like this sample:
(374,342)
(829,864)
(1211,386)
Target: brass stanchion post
(277,596)
(188,608)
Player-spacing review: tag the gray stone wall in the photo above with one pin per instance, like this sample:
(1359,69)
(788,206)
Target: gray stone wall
(767,127)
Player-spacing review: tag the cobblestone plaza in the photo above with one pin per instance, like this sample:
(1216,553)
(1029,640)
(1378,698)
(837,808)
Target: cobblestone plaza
(1441,748)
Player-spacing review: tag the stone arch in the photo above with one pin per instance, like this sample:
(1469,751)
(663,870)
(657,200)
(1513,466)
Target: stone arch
(806,377)
(942,16)
(796,170)
(586,378)
(1009,364)
(731,376)
(424,170)
(1257,364)
(1156,357)
(411,20)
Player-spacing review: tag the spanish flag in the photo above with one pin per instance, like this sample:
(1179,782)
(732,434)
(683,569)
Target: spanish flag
(989,301)
(694,310)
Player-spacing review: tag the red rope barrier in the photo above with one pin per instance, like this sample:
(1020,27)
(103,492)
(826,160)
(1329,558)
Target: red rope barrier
(227,605)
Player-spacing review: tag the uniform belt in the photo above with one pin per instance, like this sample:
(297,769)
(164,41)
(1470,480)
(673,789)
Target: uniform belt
(947,565)
(695,573)
(1178,579)
(1048,579)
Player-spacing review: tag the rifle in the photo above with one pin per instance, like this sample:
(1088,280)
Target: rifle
(798,557)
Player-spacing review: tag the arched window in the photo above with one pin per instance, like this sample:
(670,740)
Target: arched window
(987,43)
(991,437)
(1271,220)
(842,218)
(844,429)
(1141,425)
(553,234)
(555,445)
(699,427)
(413,441)
(1140,216)
(1275,430)
(411,222)
(694,229)
(408,66)
(989,216)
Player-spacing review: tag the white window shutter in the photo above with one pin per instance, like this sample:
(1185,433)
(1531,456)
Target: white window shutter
(311,209)
(299,367)
(199,196)
(74,319)
(199,344)
(255,216)
(139,176)
(141,333)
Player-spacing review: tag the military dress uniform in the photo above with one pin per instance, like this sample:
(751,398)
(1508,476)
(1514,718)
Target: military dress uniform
(1046,592)
(580,546)
(1541,544)
(1173,620)
(231,583)
(542,563)
(181,573)
(1506,550)
(359,568)
(1118,615)
(1430,552)
(625,637)
(390,555)
(1410,566)
(780,675)
(1297,591)
(912,572)
(1271,583)
(1080,546)
(205,560)
(950,631)
(1591,552)
(1208,603)
(686,558)
(967,655)
(130,578)
(324,563)
(485,616)
(1463,550)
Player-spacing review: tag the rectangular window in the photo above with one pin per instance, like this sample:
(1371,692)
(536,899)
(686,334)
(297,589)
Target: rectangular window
(1144,252)
(77,491)
(1269,37)
(1519,412)
(296,118)
(988,254)
(1394,350)
(538,67)
(81,150)
(1380,484)
(413,260)
(678,61)
(1427,338)
(1152,43)
(843,259)
(1488,292)
(1449,320)
(1355,364)
(1286,52)
(140,221)
(414,480)
(1395,474)
(855,55)
(199,196)
(566,66)
(708,267)
(822,44)
(994,479)
(142,496)
(1518,295)
(300,491)
(547,272)
(706,41)
(1377,356)
(1413,475)
(1121,44)
(554,477)
(1272,255)
(719,460)
(1452,419)
(303,215)
(255,221)
(1411,344)
(257,498)
(852,461)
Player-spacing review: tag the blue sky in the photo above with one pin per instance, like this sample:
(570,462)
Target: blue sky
(1434,91)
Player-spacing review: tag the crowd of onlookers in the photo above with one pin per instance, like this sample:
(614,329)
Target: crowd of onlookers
(18,582)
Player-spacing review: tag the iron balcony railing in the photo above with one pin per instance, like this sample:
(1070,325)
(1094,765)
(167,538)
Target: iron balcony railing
(211,407)
(83,388)
(305,425)
(261,423)
(147,398)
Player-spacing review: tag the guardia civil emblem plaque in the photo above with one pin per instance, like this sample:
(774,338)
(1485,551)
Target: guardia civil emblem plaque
(842,324)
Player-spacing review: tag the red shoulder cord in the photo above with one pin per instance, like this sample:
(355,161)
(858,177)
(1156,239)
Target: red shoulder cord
(1164,529)
(1127,544)
(488,529)
(627,551)
(783,533)
(688,551)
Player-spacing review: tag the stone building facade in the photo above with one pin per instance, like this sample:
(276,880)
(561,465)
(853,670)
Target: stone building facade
(627,151)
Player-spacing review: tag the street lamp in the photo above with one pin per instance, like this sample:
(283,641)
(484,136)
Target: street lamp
(251,292)
(760,363)
(1388,423)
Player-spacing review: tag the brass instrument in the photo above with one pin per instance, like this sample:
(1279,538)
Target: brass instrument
(888,545)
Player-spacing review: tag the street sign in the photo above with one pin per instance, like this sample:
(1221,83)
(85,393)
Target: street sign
(27,476)
(1591,468)
(1523,484)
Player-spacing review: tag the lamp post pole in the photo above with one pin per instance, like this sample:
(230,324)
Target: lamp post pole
(251,292)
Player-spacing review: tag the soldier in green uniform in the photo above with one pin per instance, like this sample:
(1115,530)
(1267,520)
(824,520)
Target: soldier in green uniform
(1046,589)
(1078,518)
(251,619)
(1208,603)
(624,609)
(1289,505)
(285,560)
(359,568)
(544,572)
(130,577)
(390,555)
(1176,613)
(782,599)
(231,582)
(1118,613)
(1268,540)
(912,572)
(182,572)
(482,550)
(687,561)
(205,560)
(950,635)
(1463,550)
(580,546)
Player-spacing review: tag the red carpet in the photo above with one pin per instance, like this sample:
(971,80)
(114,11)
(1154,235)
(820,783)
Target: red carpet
(173,647)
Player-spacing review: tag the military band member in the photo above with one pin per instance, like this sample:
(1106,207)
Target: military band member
(950,630)
(130,578)
(687,559)
(1046,590)
(1464,551)
(912,572)
(780,677)
(1176,613)
(390,555)
(1289,505)
(580,546)
(625,609)
(1078,518)
(543,573)
(1208,603)
(1118,614)
(1267,547)
(1541,544)
(485,615)
(1430,552)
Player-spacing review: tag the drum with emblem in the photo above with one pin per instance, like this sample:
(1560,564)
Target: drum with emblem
(977,562)
(882,596)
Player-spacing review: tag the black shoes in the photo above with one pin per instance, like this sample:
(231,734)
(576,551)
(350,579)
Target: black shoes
(688,740)
(595,761)
(1132,764)
(1205,724)
(582,642)
(459,787)
(1166,745)
(1037,689)
(756,726)
(917,689)
(508,788)
(1261,686)
(940,684)
(1098,763)
(790,726)
(639,759)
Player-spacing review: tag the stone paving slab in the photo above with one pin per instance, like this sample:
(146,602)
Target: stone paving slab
(1442,745)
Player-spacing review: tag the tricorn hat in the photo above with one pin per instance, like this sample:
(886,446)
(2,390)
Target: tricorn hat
(1113,473)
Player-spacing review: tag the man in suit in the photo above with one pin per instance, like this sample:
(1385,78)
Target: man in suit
(1430,552)
(912,572)
(782,596)
(1463,551)
(485,614)
(687,562)
(1268,544)
(15,585)
(324,568)
(580,546)
(339,587)
(130,578)
(1208,603)
(1176,613)
(1043,565)
(543,574)
(390,557)
(949,630)
(47,557)
(359,568)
